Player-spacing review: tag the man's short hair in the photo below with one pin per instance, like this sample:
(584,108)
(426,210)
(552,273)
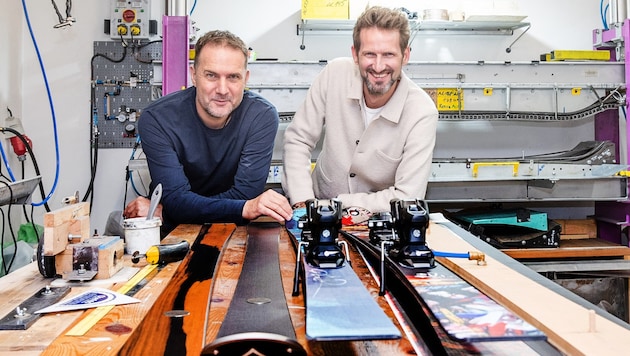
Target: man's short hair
(221,38)
(383,18)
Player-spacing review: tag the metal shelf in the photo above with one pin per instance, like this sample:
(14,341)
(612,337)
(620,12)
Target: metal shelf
(18,192)
(428,27)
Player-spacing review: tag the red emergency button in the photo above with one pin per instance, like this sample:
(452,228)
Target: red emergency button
(129,16)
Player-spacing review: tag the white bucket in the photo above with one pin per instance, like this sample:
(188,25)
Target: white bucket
(140,234)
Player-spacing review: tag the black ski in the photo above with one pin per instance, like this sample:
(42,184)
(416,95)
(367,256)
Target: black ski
(395,245)
(258,320)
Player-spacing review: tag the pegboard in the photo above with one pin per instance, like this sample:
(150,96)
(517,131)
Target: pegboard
(124,82)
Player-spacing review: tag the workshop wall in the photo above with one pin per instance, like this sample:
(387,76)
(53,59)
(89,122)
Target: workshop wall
(269,27)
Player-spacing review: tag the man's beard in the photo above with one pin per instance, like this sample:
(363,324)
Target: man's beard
(217,113)
(380,89)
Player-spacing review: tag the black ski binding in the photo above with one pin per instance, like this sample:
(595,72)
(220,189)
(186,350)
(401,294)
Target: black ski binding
(402,235)
(320,229)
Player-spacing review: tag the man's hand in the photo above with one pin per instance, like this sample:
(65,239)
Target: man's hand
(269,203)
(139,207)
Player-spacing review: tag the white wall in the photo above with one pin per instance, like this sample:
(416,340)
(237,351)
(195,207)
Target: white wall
(268,26)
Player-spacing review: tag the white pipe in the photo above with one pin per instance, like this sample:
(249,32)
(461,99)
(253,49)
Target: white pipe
(618,10)
(178,7)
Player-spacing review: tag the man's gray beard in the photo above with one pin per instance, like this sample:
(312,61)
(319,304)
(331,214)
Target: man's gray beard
(381,90)
(213,114)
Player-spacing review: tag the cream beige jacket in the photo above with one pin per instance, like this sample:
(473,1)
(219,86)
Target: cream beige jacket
(364,167)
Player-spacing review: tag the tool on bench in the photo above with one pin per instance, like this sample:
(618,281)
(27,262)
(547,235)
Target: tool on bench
(68,249)
(163,253)
(155,200)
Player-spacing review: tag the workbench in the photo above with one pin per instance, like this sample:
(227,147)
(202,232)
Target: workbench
(46,335)
(174,313)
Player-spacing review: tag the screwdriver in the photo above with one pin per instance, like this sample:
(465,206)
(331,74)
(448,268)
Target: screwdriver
(164,253)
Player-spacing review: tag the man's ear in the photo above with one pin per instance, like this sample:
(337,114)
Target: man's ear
(192,75)
(355,55)
(406,55)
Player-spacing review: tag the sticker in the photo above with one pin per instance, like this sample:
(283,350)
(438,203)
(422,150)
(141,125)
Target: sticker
(93,298)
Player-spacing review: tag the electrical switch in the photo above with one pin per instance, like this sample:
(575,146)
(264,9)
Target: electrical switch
(134,15)
(122,30)
(135,30)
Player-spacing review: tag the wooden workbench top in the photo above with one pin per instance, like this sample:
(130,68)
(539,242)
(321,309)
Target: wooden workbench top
(46,335)
(144,328)
(574,328)
(574,248)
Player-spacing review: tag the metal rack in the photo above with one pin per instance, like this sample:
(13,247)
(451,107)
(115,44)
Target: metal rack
(418,27)
(429,27)
(527,91)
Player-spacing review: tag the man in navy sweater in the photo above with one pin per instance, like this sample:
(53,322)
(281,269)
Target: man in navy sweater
(210,145)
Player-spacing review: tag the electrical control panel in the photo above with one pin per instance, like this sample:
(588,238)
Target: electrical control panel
(125,80)
(130,19)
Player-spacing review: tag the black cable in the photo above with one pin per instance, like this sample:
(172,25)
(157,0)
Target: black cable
(4,265)
(34,225)
(30,153)
(148,43)
(93,126)
(68,8)
(57,11)
(24,205)
(94,164)
(138,47)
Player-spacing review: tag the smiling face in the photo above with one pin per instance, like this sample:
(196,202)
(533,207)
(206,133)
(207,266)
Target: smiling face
(380,62)
(220,75)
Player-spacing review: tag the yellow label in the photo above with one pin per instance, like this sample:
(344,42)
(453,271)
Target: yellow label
(450,99)
(325,9)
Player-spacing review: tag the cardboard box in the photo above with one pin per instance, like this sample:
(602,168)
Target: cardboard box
(325,9)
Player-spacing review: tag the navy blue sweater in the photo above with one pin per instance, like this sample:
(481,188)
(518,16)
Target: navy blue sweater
(207,174)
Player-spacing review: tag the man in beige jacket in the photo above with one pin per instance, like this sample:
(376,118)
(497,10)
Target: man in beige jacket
(379,126)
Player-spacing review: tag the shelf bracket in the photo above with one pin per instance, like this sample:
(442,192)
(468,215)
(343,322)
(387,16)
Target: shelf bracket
(509,48)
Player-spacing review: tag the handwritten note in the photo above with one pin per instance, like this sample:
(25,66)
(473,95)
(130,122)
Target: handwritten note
(450,99)
(325,9)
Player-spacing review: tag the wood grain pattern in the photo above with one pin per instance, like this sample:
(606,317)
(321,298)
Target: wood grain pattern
(188,291)
(142,328)
(227,274)
(227,278)
(572,328)
(15,288)
(572,248)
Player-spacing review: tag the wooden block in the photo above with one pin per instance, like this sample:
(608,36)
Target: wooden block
(59,224)
(65,214)
(80,227)
(578,228)
(110,257)
(56,239)
(104,253)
